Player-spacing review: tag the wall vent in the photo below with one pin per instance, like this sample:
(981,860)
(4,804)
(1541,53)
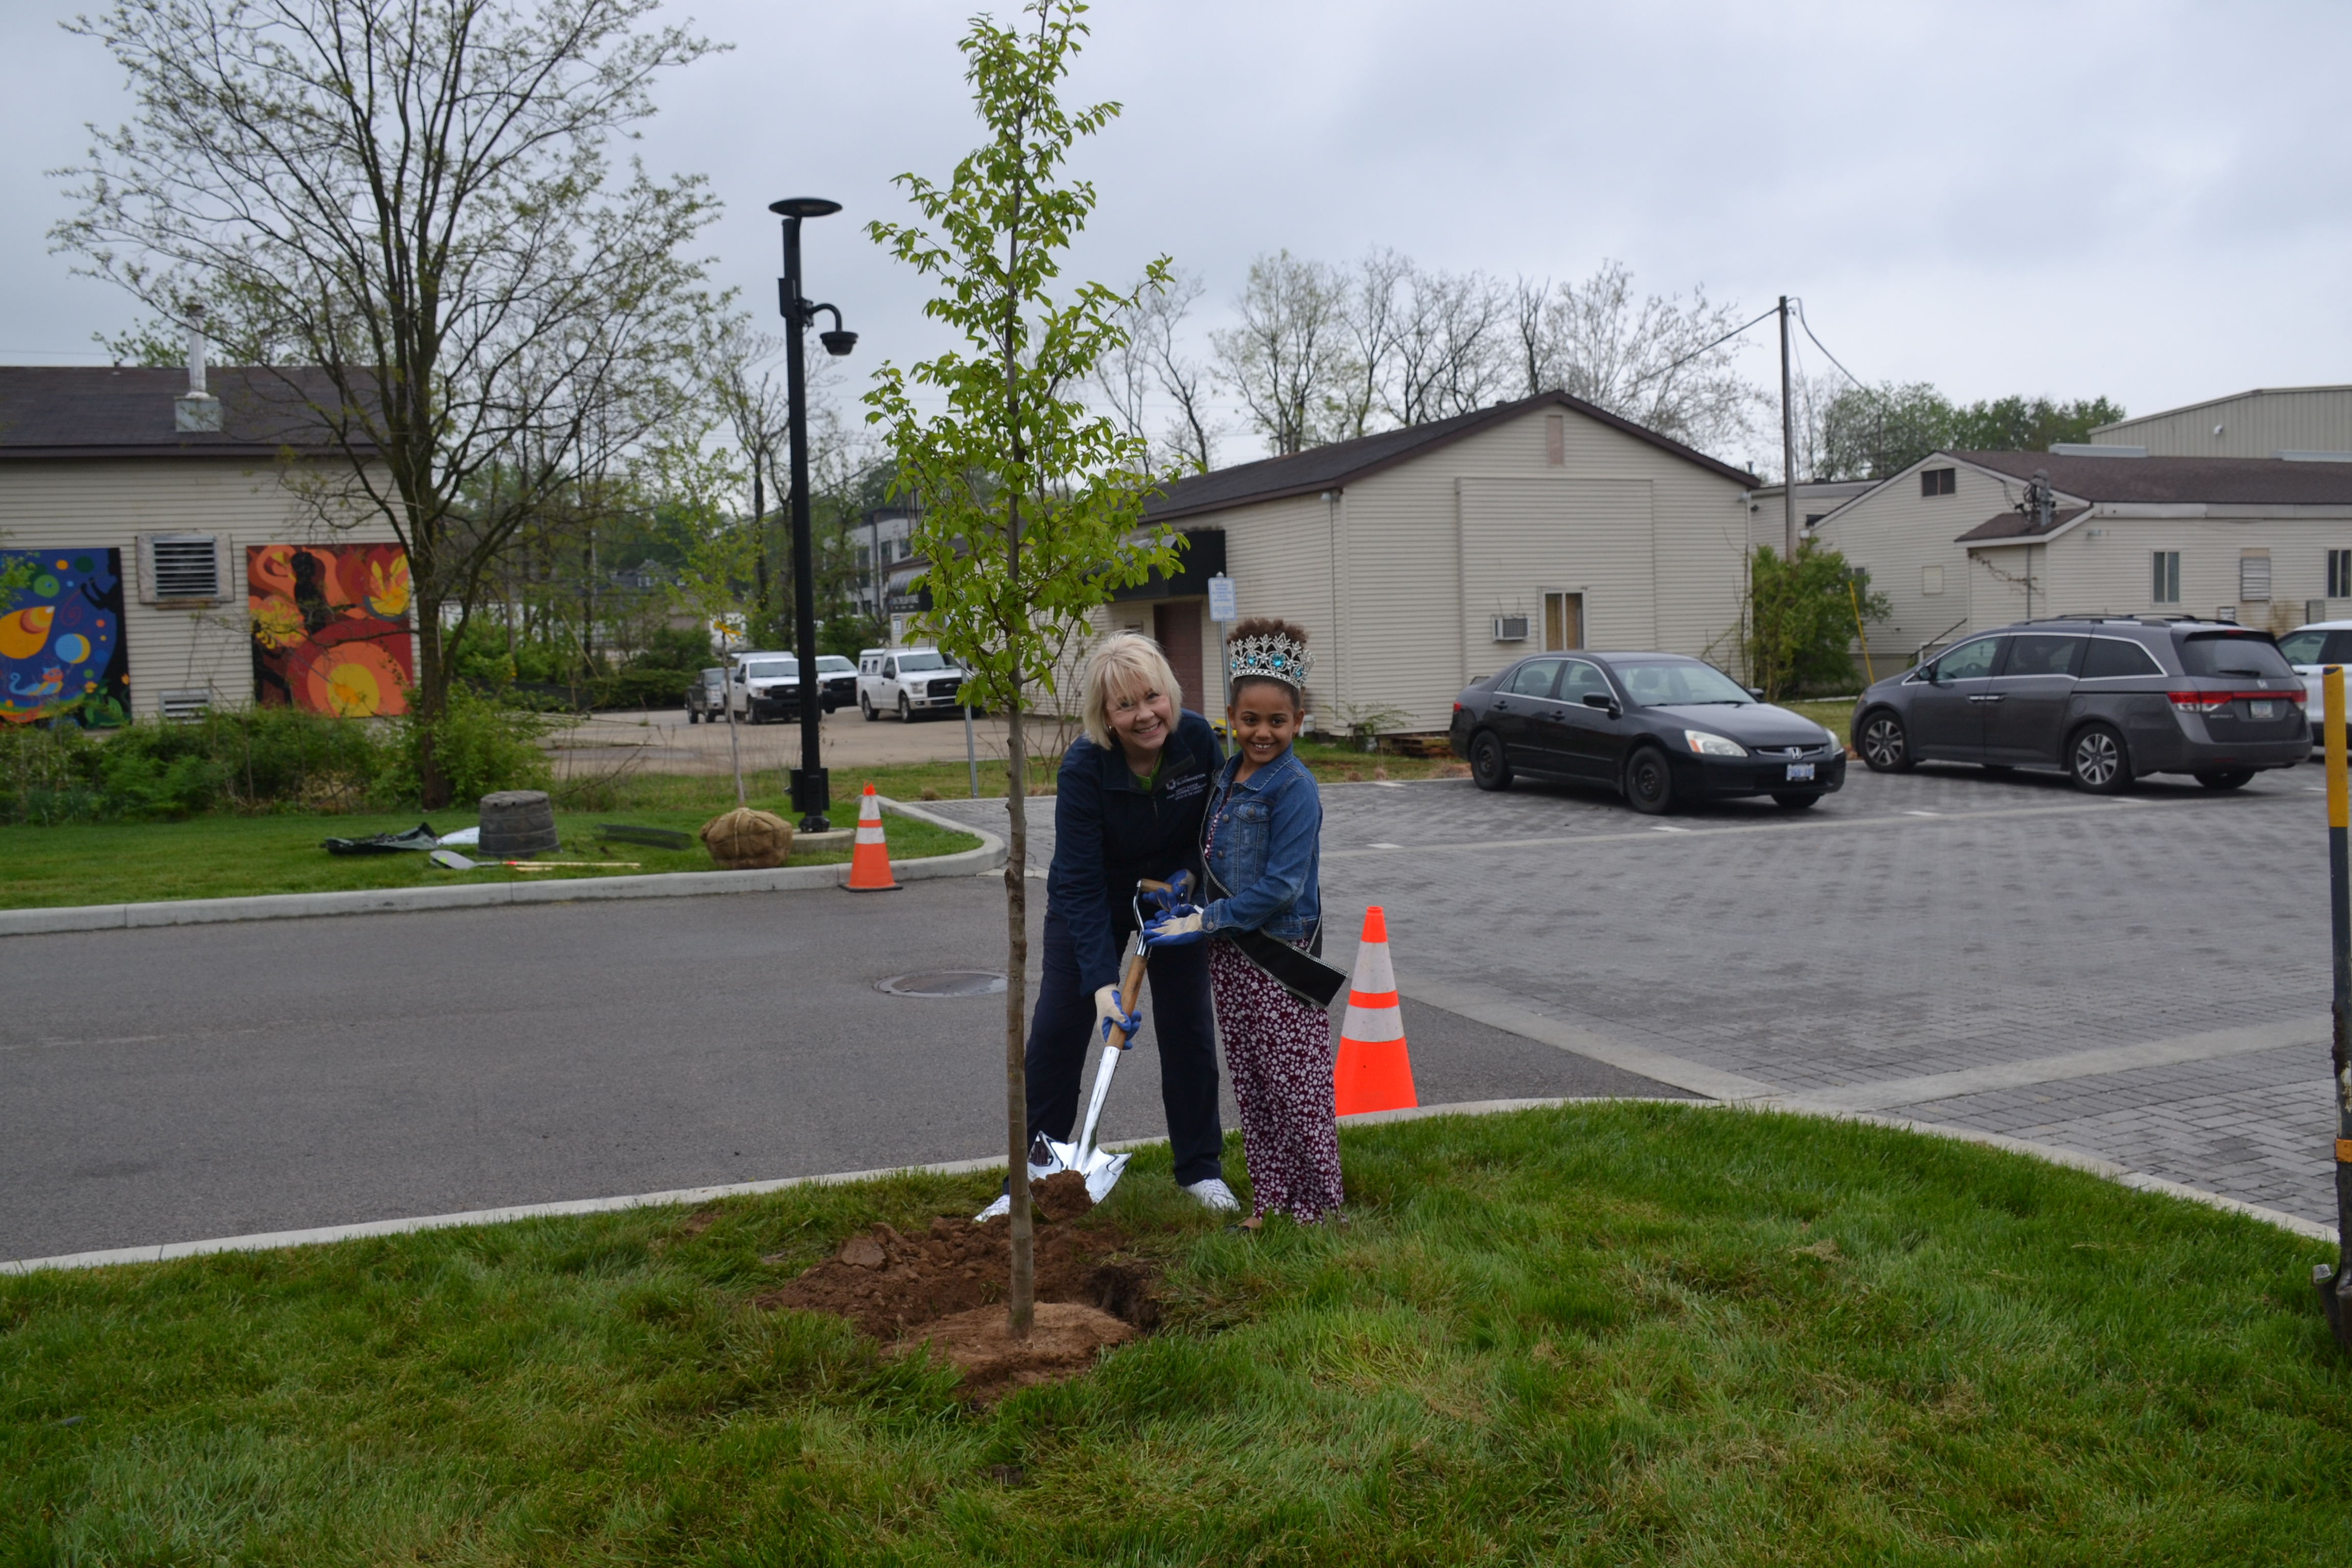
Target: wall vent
(181,568)
(2254,578)
(1510,628)
(184,707)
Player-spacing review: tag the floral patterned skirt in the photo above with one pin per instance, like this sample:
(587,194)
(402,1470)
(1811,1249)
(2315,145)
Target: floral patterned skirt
(1279,1054)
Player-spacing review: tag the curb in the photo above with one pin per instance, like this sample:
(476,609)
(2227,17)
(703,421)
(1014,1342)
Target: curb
(397,900)
(324,1235)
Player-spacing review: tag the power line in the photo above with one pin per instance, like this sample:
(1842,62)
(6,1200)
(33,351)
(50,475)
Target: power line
(1799,301)
(1695,353)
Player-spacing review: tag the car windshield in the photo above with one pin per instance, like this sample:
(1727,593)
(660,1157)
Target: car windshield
(833,664)
(2233,653)
(911,662)
(1680,685)
(772,670)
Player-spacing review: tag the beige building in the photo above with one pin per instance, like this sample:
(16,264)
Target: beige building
(1417,560)
(2309,422)
(1959,543)
(93,461)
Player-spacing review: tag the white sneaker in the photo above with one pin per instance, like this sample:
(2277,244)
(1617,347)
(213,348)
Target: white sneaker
(1214,1196)
(997,1210)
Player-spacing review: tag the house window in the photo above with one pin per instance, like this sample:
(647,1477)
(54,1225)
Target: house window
(1931,579)
(2339,573)
(1939,481)
(2166,586)
(1563,622)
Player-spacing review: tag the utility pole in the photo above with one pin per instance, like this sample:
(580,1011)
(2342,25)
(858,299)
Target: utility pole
(1788,446)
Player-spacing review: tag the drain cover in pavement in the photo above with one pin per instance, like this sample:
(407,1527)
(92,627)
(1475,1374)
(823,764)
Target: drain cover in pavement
(945,983)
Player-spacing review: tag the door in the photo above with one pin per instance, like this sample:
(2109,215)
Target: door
(1946,717)
(1523,701)
(1592,744)
(2025,705)
(1177,628)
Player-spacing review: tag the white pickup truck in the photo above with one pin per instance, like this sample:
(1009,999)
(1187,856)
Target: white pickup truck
(906,681)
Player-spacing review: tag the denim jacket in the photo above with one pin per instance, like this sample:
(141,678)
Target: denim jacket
(1268,850)
(1109,832)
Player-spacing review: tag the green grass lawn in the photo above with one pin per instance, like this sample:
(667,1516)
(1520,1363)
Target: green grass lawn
(1834,716)
(234,857)
(1605,1334)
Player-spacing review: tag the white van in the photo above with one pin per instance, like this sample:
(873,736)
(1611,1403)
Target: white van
(906,681)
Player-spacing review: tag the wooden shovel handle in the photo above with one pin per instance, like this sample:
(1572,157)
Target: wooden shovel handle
(1131,987)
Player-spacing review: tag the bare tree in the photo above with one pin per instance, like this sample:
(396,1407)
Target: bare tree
(1380,303)
(1289,360)
(1452,352)
(1652,359)
(416,197)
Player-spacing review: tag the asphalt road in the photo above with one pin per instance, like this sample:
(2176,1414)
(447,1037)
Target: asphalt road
(222,1080)
(2144,980)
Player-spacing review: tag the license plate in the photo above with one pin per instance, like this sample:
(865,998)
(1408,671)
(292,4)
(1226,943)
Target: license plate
(2262,709)
(1801,771)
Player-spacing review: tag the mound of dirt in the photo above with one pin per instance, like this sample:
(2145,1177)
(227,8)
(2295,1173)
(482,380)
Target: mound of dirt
(888,1283)
(1063,1341)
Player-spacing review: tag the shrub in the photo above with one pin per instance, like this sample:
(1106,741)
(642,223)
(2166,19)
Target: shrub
(484,745)
(249,759)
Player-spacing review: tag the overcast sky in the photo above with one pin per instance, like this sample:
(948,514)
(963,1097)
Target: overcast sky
(2146,201)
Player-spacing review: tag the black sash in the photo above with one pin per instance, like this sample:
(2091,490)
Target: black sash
(1300,972)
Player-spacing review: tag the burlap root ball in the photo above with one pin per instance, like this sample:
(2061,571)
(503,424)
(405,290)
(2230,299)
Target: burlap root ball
(747,840)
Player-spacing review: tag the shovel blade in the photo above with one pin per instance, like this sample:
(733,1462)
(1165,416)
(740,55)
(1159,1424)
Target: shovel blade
(1103,1171)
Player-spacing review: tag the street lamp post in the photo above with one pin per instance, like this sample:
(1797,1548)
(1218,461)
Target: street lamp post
(811,793)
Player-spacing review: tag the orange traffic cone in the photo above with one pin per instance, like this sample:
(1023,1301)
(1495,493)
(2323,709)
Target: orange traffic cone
(869,862)
(1374,1070)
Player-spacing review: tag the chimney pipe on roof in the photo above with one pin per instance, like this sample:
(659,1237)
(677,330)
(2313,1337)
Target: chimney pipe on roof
(197,350)
(196,410)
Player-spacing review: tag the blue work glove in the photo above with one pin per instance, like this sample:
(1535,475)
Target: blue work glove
(1114,1015)
(1175,928)
(1178,892)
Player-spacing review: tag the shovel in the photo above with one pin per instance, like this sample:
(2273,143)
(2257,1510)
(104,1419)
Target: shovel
(1100,1170)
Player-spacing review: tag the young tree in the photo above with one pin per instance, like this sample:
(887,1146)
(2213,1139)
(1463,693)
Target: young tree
(414,197)
(1032,504)
(1804,614)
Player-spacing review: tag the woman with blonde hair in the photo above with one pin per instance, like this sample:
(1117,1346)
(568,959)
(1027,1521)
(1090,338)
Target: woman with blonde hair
(1127,806)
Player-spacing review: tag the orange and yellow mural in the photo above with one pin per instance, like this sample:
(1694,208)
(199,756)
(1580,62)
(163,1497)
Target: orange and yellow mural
(331,627)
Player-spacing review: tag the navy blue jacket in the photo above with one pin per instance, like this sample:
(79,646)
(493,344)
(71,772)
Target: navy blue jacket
(1110,834)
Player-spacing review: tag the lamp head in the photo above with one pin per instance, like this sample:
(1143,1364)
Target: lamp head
(803,206)
(837,342)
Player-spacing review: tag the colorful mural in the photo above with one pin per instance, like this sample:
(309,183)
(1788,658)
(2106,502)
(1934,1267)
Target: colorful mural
(61,653)
(331,627)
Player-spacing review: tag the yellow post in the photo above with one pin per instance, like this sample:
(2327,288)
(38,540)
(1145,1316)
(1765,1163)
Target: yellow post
(2336,1285)
(1855,600)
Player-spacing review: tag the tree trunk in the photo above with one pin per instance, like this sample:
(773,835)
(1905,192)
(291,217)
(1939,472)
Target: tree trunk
(1017,1075)
(430,699)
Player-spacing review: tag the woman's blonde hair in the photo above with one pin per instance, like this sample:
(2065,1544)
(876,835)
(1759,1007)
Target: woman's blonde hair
(1127,664)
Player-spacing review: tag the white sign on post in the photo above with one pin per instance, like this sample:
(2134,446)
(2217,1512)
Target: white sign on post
(1222,607)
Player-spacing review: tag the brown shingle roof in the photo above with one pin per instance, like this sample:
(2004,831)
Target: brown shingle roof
(2248,481)
(59,411)
(2017,525)
(1344,462)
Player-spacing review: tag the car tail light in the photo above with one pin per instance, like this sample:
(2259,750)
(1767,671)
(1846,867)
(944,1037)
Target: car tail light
(1457,707)
(2214,701)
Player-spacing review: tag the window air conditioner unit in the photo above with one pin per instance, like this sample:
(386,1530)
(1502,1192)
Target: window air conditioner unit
(1510,628)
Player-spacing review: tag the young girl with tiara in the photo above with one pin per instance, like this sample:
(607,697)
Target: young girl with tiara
(1261,842)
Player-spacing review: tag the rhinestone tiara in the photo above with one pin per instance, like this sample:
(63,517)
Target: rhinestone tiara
(1274,658)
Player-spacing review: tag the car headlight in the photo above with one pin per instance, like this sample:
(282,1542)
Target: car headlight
(1707,746)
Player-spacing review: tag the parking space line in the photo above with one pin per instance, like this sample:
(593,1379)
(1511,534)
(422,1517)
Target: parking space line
(1929,1087)
(1816,825)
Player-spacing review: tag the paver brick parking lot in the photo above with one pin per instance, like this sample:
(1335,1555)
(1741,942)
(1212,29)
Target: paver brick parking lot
(1943,922)
(2142,979)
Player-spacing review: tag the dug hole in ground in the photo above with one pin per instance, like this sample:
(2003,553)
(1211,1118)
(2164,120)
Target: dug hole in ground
(943,1293)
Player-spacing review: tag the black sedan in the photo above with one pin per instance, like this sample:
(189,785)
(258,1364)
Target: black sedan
(1658,727)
